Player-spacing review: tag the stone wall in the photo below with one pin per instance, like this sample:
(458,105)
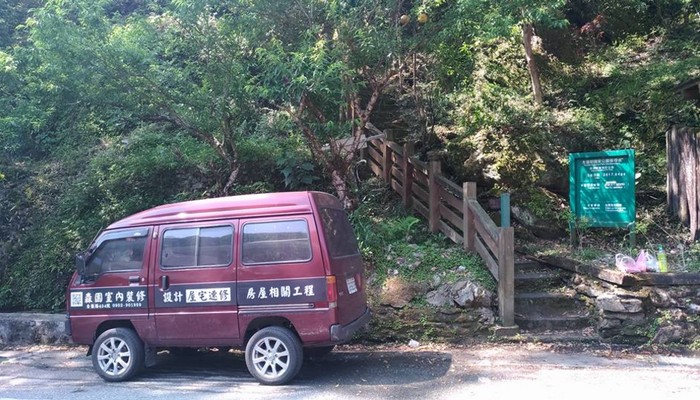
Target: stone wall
(656,314)
(30,328)
(448,312)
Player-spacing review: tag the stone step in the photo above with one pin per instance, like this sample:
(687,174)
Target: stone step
(530,281)
(538,322)
(555,301)
(528,266)
(583,335)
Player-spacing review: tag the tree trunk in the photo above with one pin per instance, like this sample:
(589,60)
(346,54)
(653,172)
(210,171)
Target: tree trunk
(341,189)
(528,33)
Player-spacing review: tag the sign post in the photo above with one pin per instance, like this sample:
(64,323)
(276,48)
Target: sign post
(601,190)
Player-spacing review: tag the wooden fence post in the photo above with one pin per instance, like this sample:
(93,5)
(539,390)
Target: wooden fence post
(407,167)
(434,194)
(468,193)
(387,160)
(506,276)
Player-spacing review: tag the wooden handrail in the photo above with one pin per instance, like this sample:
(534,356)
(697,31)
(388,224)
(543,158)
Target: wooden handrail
(401,169)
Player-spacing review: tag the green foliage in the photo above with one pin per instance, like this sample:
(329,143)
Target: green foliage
(297,173)
(109,107)
(398,244)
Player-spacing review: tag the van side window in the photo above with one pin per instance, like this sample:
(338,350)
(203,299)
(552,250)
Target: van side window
(118,251)
(197,247)
(276,242)
(339,234)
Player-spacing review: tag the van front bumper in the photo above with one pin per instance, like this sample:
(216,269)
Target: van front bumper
(343,333)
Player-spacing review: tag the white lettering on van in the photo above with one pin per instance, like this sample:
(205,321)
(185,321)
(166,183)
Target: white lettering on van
(141,295)
(98,297)
(286,291)
(251,294)
(129,296)
(297,291)
(274,292)
(207,295)
(309,290)
(261,293)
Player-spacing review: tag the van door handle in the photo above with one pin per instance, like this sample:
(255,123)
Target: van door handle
(133,279)
(164,282)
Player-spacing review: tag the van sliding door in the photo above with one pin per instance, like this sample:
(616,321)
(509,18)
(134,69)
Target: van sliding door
(195,284)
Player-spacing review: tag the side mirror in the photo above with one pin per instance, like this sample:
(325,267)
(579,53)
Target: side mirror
(80,264)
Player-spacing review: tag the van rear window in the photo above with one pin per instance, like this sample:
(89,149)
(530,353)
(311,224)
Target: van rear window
(197,247)
(339,234)
(276,242)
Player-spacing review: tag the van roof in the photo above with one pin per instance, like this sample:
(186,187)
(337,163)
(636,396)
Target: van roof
(267,204)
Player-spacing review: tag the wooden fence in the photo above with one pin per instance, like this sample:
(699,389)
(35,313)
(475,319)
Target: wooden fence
(450,209)
(683,180)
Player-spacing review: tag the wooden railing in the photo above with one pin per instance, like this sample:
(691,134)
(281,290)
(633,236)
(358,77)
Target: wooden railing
(450,209)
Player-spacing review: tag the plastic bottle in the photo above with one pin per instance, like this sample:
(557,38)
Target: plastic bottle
(661,260)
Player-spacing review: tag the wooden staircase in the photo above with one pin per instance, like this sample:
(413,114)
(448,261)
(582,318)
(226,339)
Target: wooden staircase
(546,306)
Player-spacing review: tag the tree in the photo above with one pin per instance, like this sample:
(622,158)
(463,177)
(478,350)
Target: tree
(179,66)
(326,66)
(488,19)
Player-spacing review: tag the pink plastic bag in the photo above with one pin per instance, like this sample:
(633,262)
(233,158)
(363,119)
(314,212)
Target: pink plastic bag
(628,264)
(641,263)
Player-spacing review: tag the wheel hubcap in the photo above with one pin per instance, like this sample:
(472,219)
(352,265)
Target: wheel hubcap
(270,357)
(113,356)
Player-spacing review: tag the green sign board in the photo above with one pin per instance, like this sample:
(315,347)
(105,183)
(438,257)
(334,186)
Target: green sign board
(601,188)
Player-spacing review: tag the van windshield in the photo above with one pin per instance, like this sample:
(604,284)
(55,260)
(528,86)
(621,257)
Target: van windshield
(339,234)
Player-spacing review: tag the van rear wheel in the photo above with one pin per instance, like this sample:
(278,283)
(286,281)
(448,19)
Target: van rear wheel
(273,355)
(118,354)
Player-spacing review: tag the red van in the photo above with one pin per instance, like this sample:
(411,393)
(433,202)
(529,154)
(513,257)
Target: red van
(278,274)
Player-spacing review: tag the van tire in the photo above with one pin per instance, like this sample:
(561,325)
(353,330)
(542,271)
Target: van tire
(118,355)
(274,355)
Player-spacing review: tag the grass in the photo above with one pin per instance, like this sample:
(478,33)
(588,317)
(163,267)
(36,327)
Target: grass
(396,243)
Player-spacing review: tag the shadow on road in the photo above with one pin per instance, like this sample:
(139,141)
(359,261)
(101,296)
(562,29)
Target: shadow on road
(339,367)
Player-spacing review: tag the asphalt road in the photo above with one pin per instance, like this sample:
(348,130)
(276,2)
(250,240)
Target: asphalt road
(483,371)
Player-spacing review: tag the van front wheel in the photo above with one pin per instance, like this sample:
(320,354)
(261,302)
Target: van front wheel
(273,355)
(118,354)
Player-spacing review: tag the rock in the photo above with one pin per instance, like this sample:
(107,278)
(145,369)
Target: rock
(397,293)
(661,298)
(468,294)
(613,303)
(487,316)
(694,309)
(668,334)
(435,283)
(441,297)
(413,344)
